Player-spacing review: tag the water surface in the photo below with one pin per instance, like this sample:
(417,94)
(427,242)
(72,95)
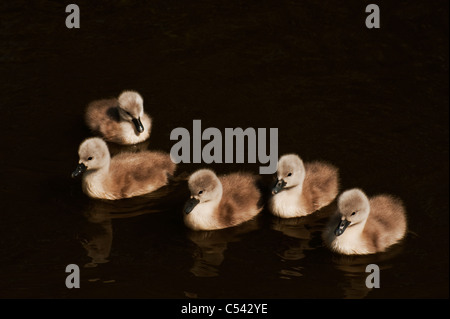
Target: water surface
(372,102)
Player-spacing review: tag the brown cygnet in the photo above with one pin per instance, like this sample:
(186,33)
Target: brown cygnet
(125,175)
(121,120)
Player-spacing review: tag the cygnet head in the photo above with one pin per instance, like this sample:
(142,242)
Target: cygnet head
(290,173)
(93,153)
(204,186)
(354,208)
(131,108)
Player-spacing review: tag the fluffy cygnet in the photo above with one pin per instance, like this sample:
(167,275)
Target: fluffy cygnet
(220,202)
(125,175)
(121,120)
(302,189)
(365,226)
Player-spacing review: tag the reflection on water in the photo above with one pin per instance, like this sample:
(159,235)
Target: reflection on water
(96,233)
(300,235)
(211,247)
(354,270)
(97,237)
(296,239)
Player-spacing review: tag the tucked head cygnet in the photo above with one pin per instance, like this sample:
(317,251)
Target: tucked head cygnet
(119,120)
(131,108)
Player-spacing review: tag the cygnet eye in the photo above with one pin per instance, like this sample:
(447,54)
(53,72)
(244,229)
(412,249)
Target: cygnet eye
(353,213)
(89,158)
(200,192)
(290,174)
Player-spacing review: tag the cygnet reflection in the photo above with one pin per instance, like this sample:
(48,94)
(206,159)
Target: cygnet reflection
(211,247)
(353,268)
(300,235)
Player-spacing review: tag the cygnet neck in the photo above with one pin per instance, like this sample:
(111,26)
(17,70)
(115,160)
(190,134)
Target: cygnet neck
(101,171)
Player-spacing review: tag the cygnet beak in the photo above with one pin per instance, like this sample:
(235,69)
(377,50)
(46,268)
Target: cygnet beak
(190,205)
(139,127)
(278,186)
(341,227)
(81,168)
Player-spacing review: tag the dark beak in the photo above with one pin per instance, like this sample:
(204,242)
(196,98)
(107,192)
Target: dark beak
(278,186)
(81,168)
(139,127)
(190,205)
(341,227)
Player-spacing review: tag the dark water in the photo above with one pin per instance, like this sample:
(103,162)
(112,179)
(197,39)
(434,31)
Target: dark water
(372,102)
